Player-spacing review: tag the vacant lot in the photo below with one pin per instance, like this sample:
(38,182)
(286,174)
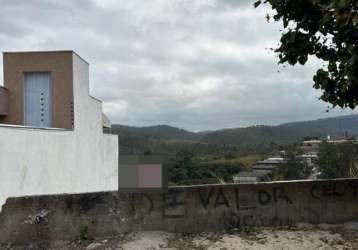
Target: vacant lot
(303,237)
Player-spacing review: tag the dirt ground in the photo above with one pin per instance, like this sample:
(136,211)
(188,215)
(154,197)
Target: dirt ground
(301,237)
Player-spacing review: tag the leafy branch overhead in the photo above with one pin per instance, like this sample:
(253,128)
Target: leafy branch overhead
(327,29)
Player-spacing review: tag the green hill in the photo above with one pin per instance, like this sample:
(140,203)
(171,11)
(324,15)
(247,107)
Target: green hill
(160,131)
(214,156)
(286,133)
(165,139)
(161,139)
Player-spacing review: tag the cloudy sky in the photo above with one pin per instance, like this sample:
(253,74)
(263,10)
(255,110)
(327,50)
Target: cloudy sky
(194,64)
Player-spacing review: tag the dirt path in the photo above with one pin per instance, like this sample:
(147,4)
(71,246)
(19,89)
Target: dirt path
(304,237)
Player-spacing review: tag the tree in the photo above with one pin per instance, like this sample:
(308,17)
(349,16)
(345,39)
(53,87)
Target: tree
(294,168)
(337,161)
(147,152)
(186,169)
(179,172)
(327,29)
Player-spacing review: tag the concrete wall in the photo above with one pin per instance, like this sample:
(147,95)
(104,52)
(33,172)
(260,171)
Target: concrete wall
(52,161)
(182,209)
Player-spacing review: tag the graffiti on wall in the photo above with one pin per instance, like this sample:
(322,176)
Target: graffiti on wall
(334,189)
(239,206)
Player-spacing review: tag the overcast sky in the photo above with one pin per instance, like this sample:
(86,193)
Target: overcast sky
(194,64)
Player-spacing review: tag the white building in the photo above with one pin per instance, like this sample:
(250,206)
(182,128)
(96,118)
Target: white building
(51,131)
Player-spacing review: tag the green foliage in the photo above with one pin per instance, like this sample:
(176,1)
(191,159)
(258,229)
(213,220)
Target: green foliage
(85,238)
(186,170)
(338,160)
(180,170)
(147,152)
(327,29)
(230,155)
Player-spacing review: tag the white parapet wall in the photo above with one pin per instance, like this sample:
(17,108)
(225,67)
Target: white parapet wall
(36,161)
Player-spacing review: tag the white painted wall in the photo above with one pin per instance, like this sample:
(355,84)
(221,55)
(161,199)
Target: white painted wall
(50,161)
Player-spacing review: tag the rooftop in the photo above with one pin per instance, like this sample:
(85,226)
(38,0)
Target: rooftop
(254,173)
(45,51)
(264,166)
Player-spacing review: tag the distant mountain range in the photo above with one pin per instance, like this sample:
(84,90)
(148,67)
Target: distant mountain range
(288,132)
(248,137)
(161,131)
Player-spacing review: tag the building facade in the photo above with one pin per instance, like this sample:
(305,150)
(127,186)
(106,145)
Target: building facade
(51,129)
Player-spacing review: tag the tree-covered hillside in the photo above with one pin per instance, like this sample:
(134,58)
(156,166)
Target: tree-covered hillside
(166,139)
(214,156)
(160,131)
(286,133)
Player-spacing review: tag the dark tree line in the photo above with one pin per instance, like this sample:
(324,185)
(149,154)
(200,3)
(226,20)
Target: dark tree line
(185,169)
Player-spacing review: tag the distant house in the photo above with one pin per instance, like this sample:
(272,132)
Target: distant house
(252,176)
(51,128)
(261,171)
(311,146)
(309,159)
(270,167)
(270,163)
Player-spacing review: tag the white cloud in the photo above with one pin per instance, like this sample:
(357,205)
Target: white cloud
(199,65)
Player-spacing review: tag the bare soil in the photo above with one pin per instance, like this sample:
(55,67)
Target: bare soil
(301,237)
